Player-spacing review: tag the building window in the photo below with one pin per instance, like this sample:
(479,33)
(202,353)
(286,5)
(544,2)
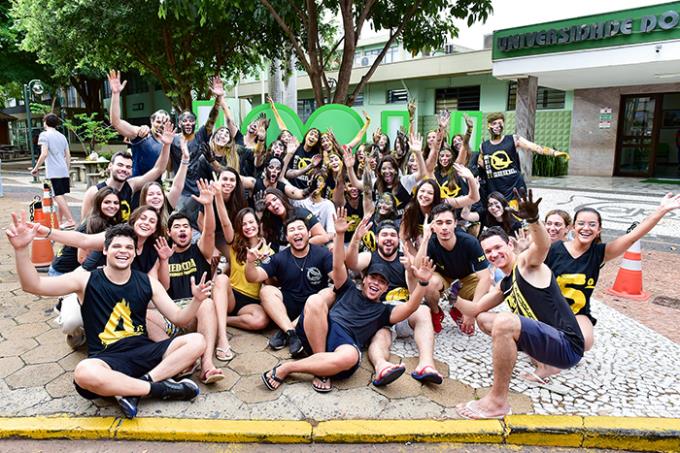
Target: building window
(457,98)
(305,108)
(546,98)
(359,99)
(397,96)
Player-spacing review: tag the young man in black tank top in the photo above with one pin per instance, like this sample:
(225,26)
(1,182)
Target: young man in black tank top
(122,361)
(499,159)
(418,325)
(541,325)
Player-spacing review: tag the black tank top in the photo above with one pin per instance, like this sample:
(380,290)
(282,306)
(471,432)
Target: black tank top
(125,197)
(502,168)
(354,215)
(67,258)
(542,304)
(397,288)
(112,312)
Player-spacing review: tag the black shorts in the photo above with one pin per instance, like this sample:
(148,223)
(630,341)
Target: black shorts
(60,186)
(241,301)
(133,356)
(336,337)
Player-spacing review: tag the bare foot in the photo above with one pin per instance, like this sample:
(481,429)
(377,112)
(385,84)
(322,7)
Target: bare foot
(322,384)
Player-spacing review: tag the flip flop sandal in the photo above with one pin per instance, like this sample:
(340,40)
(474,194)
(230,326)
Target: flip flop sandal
(388,375)
(212,376)
(321,389)
(187,372)
(477,414)
(224,354)
(272,375)
(427,377)
(543,382)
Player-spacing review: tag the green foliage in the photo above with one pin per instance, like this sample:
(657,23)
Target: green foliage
(548,166)
(174,48)
(89,131)
(40,109)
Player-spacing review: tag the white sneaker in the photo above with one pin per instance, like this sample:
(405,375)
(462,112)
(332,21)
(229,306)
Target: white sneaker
(77,339)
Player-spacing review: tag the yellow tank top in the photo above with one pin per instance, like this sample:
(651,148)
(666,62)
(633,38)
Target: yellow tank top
(237,277)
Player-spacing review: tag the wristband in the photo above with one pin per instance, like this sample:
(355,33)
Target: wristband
(185,162)
(423,283)
(532,220)
(49,232)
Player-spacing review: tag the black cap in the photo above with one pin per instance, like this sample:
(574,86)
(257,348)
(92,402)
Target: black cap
(377,269)
(387,224)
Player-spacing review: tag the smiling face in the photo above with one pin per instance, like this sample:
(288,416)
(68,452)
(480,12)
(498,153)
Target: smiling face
(250,228)
(352,191)
(334,162)
(187,121)
(274,205)
(312,138)
(155,197)
(557,229)
(180,232)
(157,120)
(587,227)
(222,137)
(388,172)
(252,127)
(496,128)
(326,143)
(286,136)
(110,205)
(297,235)
(228,181)
(120,253)
(495,208)
(385,205)
(374,286)
(388,242)
(425,194)
(412,164)
(457,142)
(499,253)
(146,224)
(431,138)
(121,168)
(382,142)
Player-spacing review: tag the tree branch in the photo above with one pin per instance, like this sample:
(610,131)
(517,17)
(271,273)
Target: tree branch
(302,58)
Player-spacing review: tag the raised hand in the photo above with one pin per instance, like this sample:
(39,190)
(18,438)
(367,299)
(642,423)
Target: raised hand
(468,122)
(312,185)
(163,249)
(415,142)
(217,87)
(521,241)
(527,209)
(258,198)
(348,157)
(20,233)
(255,254)
(143,131)
(669,202)
(291,147)
(411,106)
(341,222)
(423,272)
(444,119)
(376,135)
(216,190)
(168,134)
(316,160)
(263,121)
(202,290)
(366,116)
(115,83)
(364,227)
(463,171)
(205,194)
(427,228)
(561,154)
(208,153)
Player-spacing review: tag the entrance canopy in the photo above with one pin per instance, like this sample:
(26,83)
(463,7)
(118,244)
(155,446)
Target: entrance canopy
(630,47)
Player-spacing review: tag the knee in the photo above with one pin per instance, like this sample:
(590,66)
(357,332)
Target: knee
(260,320)
(316,305)
(421,315)
(382,337)
(86,375)
(505,324)
(196,342)
(269,293)
(221,281)
(207,309)
(346,359)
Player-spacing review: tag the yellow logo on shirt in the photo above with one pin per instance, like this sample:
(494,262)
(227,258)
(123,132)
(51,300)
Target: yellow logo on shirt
(500,160)
(119,325)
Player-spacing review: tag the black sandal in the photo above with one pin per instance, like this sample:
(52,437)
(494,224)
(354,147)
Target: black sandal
(273,376)
(321,389)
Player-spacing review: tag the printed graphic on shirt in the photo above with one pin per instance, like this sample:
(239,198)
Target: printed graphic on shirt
(119,325)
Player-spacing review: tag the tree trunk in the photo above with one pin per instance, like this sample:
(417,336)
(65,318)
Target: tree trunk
(276,88)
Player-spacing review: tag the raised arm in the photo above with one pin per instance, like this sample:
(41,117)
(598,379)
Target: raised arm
(20,235)
(137,182)
(255,274)
(464,153)
(73,238)
(411,107)
(527,209)
(354,260)
(169,309)
(619,245)
(222,214)
(207,241)
(416,146)
(231,125)
(423,273)
(525,144)
(472,196)
(359,137)
(339,272)
(124,128)
(217,88)
(349,159)
(277,115)
(181,175)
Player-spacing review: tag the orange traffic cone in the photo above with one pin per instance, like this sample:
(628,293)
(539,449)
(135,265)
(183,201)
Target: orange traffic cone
(41,248)
(628,282)
(48,207)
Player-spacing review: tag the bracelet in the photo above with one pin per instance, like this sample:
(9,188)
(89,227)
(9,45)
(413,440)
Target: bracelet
(185,162)
(49,232)
(423,283)
(532,220)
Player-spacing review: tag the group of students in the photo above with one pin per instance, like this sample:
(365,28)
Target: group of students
(341,246)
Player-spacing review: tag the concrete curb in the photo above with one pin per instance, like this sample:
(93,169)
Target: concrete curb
(630,433)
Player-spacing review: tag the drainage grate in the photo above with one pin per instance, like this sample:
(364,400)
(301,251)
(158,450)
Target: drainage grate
(667,302)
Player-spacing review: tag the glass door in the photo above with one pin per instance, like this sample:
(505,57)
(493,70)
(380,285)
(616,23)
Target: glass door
(637,135)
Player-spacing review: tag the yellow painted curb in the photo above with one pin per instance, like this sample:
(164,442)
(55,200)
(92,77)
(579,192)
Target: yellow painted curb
(547,430)
(57,427)
(632,433)
(186,430)
(375,431)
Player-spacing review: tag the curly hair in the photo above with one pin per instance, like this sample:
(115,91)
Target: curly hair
(412,213)
(240,244)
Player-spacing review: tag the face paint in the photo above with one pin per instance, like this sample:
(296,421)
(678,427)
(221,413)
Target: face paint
(187,121)
(496,128)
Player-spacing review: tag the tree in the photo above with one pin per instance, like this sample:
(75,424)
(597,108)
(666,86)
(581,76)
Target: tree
(90,131)
(418,24)
(168,45)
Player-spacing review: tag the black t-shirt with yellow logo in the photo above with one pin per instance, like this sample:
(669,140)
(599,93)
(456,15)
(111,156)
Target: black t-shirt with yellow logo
(112,312)
(465,258)
(183,266)
(501,167)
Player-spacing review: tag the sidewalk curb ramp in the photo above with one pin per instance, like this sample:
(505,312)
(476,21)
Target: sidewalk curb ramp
(630,433)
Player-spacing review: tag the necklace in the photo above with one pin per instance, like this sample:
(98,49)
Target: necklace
(295,260)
